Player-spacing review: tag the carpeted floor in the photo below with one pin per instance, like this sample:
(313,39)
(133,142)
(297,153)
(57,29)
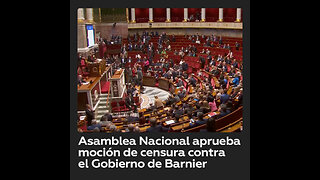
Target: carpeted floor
(149,93)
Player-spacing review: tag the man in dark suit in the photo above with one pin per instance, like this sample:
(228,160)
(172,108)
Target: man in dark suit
(237,46)
(156,128)
(223,110)
(128,102)
(184,66)
(174,74)
(140,76)
(200,120)
(224,97)
(203,61)
(193,81)
(89,114)
(177,112)
(108,116)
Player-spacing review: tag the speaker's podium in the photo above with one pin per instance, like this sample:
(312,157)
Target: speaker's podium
(118,86)
(96,69)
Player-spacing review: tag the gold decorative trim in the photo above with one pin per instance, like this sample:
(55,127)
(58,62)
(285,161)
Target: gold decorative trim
(133,21)
(203,20)
(219,25)
(191,27)
(150,21)
(90,21)
(220,20)
(185,20)
(80,20)
(100,15)
(127,14)
(168,20)
(238,20)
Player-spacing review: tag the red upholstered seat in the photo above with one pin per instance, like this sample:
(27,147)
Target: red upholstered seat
(123,106)
(115,107)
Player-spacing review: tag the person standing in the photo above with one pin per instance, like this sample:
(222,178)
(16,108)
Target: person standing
(89,114)
(157,102)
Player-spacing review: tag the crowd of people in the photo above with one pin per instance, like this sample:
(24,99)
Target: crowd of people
(203,97)
(114,39)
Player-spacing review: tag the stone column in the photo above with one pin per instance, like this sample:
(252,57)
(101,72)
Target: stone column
(238,15)
(81,39)
(80,15)
(220,14)
(133,15)
(150,15)
(89,12)
(168,15)
(203,14)
(185,14)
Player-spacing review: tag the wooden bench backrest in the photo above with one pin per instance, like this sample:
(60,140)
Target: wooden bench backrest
(228,119)
(195,129)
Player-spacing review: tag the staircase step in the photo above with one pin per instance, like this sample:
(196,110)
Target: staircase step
(103,102)
(103,95)
(103,98)
(102,108)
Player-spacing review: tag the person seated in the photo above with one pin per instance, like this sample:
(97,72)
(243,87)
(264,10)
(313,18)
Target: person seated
(156,128)
(96,129)
(130,128)
(205,107)
(177,112)
(132,119)
(213,106)
(136,129)
(176,99)
(180,83)
(93,125)
(142,119)
(235,81)
(182,93)
(230,105)
(224,97)
(223,111)
(103,120)
(210,126)
(200,120)
(113,128)
(80,79)
(198,109)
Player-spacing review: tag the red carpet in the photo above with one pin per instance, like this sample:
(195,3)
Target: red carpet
(105,87)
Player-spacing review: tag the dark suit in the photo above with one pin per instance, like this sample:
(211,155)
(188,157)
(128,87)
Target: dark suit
(224,98)
(223,113)
(184,66)
(203,61)
(178,113)
(193,81)
(90,116)
(157,128)
(198,123)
